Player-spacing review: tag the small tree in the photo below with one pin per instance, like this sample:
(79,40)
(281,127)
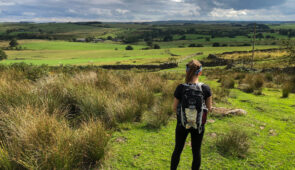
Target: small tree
(149,43)
(110,38)
(2,55)
(157,46)
(192,45)
(13,43)
(216,44)
(182,38)
(129,47)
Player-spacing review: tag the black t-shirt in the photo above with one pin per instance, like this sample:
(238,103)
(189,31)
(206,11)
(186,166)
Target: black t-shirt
(205,88)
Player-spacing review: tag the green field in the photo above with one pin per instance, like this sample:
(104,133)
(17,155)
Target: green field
(62,52)
(283,26)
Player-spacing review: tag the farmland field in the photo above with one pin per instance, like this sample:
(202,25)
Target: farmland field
(77,53)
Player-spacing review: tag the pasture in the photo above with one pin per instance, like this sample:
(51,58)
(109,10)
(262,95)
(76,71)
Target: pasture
(78,53)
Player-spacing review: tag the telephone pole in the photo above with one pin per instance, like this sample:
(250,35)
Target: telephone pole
(253,49)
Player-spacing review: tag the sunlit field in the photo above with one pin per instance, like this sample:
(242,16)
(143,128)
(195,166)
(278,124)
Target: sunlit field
(77,53)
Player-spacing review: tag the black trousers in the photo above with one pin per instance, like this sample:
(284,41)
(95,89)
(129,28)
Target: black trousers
(196,141)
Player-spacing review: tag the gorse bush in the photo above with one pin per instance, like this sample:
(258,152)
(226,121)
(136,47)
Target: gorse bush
(61,118)
(234,143)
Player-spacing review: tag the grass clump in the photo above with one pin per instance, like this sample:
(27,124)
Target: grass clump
(36,140)
(159,115)
(5,162)
(234,143)
(220,94)
(252,84)
(228,82)
(286,89)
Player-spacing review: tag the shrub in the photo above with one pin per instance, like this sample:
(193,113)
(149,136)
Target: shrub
(216,44)
(129,47)
(2,55)
(234,143)
(192,45)
(13,43)
(157,46)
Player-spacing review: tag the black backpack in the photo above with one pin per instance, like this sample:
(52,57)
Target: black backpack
(193,112)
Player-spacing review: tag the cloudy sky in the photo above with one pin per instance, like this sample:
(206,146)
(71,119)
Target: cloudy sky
(146,10)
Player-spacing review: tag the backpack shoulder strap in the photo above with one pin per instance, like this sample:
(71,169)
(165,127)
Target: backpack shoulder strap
(200,86)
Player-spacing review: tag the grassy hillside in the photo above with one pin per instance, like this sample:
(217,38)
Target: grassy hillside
(269,124)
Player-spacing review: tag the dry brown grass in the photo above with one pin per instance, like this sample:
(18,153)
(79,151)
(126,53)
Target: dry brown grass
(63,120)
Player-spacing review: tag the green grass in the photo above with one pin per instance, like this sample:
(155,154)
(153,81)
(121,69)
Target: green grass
(64,45)
(283,26)
(151,149)
(97,57)
(62,52)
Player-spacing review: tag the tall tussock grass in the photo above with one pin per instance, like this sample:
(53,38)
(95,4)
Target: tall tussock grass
(234,143)
(62,118)
(36,140)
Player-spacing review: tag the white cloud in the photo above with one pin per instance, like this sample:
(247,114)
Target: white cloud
(73,11)
(227,13)
(122,11)
(100,12)
(146,10)
(29,13)
(6,3)
(177,0)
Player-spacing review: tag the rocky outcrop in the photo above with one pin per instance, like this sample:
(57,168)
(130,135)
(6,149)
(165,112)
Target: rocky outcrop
(221,111)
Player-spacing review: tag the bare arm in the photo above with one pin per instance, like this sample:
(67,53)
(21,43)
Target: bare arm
(175,104)
(209,103)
